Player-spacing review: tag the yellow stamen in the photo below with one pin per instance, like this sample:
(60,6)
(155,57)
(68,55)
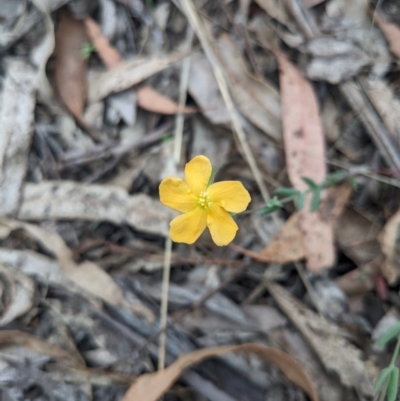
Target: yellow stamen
(203,200)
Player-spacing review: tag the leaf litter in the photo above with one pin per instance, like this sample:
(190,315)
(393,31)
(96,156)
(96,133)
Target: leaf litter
(88,99)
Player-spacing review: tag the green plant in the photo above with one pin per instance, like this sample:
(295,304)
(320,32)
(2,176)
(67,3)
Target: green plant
(86,50)
(298,197)
(387,381)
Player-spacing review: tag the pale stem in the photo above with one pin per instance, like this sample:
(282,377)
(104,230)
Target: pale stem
(164,303)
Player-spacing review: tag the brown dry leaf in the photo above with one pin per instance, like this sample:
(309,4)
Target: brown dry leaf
(86,275)
(357,237)
(16,122)
(151,100)
(126,74)
(70,68)
(66,200)
(147,97)
(389,239)
(287,246)
(305,157)
(108,54)
(336,353)
(150,387)
(391,32)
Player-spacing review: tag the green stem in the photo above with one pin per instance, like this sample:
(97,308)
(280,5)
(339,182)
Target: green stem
(396,352)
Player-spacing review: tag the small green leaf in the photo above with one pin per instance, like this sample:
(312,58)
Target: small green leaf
(312,184)
(393,332)
(383,376)
(166,138)
(86,50)
(352,182)
(272,205)
(300,201)
(393,384)
(315,201)
(333,179)
(285,191)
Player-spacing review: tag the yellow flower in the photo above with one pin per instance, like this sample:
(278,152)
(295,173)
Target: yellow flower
(203,206)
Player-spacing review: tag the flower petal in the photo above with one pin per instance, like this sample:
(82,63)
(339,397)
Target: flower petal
(222,227)
(175,194)
(198,173)
(231,195)
(188,227)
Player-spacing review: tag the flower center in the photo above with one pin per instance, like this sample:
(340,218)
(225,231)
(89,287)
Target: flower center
(203,200)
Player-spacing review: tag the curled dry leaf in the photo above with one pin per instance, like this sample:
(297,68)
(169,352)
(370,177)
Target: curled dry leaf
(67,200)
(305,157)
(150,387)
(389,239)
(16,122)
(18,291)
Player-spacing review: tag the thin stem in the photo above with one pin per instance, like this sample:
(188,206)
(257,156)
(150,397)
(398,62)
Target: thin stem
(164,303)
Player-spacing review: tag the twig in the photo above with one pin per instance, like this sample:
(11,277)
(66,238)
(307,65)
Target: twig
(164,303)
(77,158)
(182,97)
(197,25)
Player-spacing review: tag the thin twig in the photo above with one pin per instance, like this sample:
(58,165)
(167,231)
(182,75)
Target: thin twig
(164,303)
(197,25)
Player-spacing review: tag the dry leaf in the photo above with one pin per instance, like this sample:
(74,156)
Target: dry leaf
(391,32)
(66,200)
(147,97)
(70,68)
(258,101)
(86,275)
(336,353)
(204,89)
(150,387)
(151,100)
(36,344)
(16,122)
(127,74)
(17,294)
(305,157)
(287,246)
(108,54)
(389,239)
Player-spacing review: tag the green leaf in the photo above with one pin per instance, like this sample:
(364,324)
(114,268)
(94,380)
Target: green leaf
(352,182)
(393,332)
(383,376)
(166,138)
(86,50)
(300,201)
(315,201)
(393,384)
(333,179)
(285,191)
(272,205)
(312,184)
